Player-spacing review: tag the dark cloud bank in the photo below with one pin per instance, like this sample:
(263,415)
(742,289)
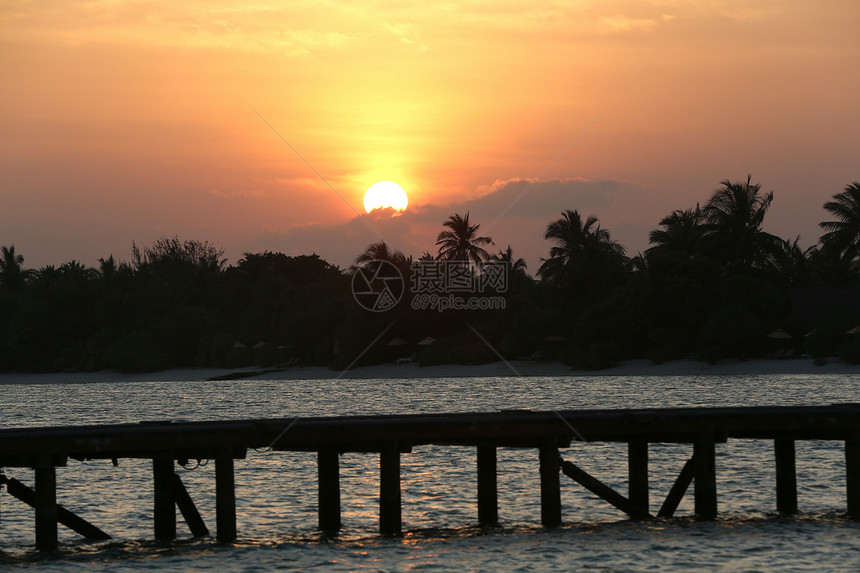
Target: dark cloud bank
(514,212)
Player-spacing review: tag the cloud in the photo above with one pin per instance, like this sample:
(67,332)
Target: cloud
(408,33)
(342,243)
(535,204)
(620,23)
(197,25)
(529,196)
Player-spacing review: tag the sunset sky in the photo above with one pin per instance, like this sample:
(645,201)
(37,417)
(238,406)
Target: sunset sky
(128,121)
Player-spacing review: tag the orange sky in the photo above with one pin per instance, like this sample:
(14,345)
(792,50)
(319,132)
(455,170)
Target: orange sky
(127,121)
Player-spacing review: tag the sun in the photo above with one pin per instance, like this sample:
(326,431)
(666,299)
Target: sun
(385,194)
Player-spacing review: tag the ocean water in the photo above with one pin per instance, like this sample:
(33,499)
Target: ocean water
(277,496)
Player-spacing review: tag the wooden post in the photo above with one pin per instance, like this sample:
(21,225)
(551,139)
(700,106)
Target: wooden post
(389,491)
(164,508)
(329,490)
(225,498)
(550,486)
(786,476)
(46,508)
(852,476)
(705,478)
(488,494)
(637,474)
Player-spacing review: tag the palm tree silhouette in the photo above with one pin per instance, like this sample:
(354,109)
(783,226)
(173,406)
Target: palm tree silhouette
(517,266)
(578,247)
(733,218)
(461,242)
(844,233)
(831,265)
(75,271)
(47,277)
(382,252)
(107,267)
(12,273)
(790,265)
(681,234)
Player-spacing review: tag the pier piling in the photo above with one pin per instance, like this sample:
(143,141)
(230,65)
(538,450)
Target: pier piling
(488,495)
(550,486)
(786,476)
(225,498)
(164,508)
(389,490)
(46,507)
(329,490)
(852,475)
(637,474)
(705,478)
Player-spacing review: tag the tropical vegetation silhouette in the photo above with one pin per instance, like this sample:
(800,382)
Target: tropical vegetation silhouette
(583,253)
(712,285)
(460,241)
(733,225)
(843,234)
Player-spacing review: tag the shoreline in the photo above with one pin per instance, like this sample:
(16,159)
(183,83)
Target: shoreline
(515,368)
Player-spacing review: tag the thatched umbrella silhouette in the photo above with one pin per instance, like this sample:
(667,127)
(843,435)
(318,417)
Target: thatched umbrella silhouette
(780,334)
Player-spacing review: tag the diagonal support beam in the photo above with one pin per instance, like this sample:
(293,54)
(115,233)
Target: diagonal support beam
(186,506)
(679,488)
(603,491)
(64,516)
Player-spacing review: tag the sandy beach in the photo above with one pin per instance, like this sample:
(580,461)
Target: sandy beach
(495,369)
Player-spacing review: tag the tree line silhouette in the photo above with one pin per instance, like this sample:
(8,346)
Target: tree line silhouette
(711,285)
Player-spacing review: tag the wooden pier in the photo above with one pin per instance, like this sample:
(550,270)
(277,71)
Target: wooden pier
(166,443)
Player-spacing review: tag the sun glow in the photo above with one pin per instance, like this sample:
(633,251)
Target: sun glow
(385,194)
